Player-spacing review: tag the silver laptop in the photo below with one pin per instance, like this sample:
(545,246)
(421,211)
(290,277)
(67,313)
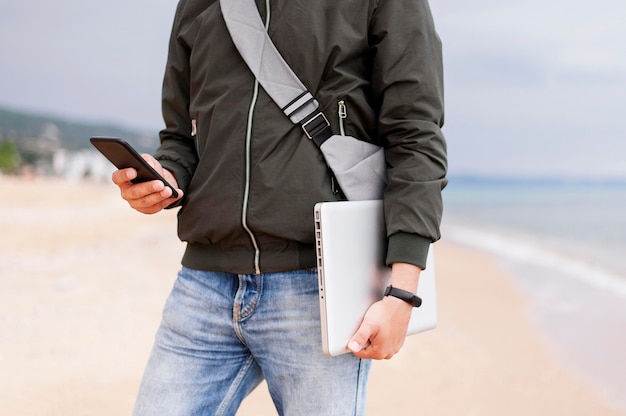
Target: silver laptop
(351,243)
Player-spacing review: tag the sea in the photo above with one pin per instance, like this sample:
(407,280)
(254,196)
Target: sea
(564,245)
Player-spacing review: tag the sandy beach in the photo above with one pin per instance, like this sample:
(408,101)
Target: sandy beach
(83,279)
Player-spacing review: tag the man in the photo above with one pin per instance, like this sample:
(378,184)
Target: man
(245,306)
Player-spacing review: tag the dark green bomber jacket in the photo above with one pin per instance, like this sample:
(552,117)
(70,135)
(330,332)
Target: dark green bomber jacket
(250,176)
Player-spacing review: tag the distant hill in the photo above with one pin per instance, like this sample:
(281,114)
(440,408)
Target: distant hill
(19,125)
(494,181)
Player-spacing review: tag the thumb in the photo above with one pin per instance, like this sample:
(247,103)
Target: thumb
(360,339)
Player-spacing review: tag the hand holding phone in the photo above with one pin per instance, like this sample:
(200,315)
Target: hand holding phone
(146,190)
(123,156)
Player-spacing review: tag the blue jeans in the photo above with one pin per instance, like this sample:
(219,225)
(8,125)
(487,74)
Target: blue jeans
(222,334)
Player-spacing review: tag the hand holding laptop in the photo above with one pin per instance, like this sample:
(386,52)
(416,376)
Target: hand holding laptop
(351,246)
(384,327)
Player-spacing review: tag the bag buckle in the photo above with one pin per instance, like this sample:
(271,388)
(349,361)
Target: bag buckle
(315,124)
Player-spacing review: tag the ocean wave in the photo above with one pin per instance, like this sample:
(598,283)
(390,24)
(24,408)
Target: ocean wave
(519,249)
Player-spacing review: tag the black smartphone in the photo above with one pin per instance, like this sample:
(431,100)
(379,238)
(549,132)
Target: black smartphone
(123,156)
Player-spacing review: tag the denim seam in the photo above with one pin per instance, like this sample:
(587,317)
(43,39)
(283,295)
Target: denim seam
(360,385)
(234,387)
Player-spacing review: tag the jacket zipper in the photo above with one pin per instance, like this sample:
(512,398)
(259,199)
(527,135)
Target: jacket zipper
(343,114)
(194,134)
(246,196)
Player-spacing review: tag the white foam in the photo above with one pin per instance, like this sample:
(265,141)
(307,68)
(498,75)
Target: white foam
(519,250)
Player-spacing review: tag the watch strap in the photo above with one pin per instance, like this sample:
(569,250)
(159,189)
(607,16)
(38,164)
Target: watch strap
(405,295)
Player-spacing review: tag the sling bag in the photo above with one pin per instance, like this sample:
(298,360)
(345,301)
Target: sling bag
(358,166)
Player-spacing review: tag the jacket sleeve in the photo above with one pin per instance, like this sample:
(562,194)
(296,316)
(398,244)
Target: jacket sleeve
(407,84)
(177,151)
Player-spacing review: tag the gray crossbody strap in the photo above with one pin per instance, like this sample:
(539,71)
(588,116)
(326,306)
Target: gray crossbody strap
(358,166)
(268,66)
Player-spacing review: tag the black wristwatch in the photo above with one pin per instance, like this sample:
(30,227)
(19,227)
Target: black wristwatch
(405,295)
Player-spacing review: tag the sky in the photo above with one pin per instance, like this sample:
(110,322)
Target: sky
(533,87)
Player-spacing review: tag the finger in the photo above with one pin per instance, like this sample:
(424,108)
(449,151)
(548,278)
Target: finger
(156,165)
(162,204)
(140,198)
(150,204)
(375,352)
(138,191)
(158,200)
(153,209)
(360,339)
(150,159)
(123,176)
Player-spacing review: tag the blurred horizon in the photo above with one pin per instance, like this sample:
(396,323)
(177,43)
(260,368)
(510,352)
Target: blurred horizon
(533,89)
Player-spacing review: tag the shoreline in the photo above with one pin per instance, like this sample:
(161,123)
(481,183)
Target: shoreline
(83,280)
(576,305)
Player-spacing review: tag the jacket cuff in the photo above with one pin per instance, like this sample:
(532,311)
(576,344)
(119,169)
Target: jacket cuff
(408,248)
(181,175)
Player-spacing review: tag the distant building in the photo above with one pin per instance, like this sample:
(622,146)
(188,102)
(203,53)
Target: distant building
(81,164)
